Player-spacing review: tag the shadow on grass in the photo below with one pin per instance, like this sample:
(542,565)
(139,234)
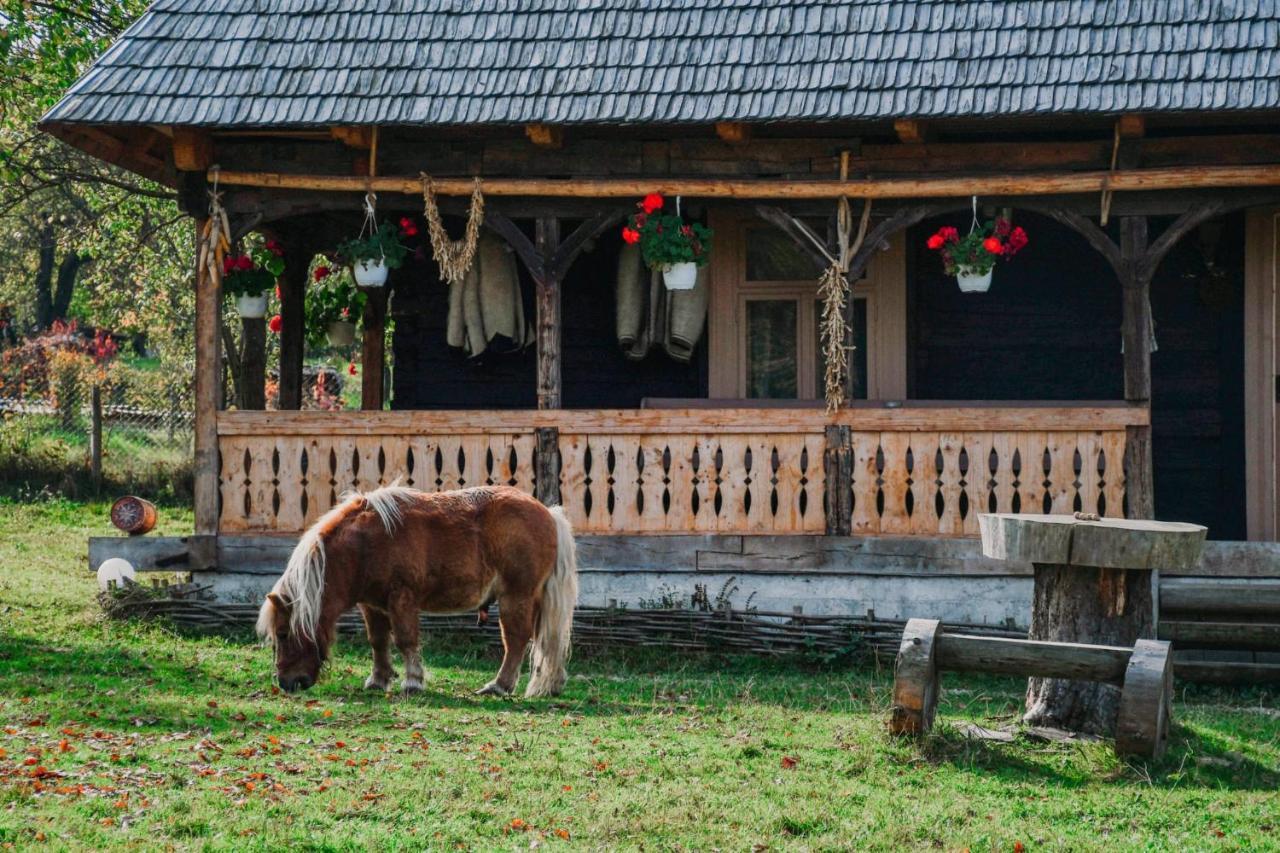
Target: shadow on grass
(1189,761)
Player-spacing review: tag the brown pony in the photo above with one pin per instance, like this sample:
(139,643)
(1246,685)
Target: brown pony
(395,552)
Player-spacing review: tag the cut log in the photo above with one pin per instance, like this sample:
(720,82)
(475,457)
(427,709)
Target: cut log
(1242,597)
(1146,703)
(1004,656)
(1084,605)
(915,685)
(1221,635)
(1113,543)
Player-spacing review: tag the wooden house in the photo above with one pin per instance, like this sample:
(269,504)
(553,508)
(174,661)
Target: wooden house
(1124,363)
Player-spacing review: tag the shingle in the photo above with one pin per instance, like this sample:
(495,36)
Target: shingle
(428,62)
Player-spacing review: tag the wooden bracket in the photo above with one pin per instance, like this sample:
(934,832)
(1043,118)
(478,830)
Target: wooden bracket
(192,149)
(545,135)
(912,131)
(1131,126)
(353,136)
(733,132)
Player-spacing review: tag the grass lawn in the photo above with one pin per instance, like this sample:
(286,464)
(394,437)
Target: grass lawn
(126,734)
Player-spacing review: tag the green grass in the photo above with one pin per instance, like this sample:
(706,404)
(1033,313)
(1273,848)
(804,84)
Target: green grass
(130,734)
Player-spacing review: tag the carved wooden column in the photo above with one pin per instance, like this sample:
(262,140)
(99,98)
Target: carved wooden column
(548,314)
(208,389)
(253,363)
(1135,332)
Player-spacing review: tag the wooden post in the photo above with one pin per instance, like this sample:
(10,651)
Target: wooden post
(208,387)
(95,435)
(373,345)
(1136,330)
(253,363)
(546,466)
(293,331)
(837,464)
(548,334)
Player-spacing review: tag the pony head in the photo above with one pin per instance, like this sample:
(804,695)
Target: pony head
(299,655)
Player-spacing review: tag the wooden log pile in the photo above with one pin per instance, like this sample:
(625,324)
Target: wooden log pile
(724,630)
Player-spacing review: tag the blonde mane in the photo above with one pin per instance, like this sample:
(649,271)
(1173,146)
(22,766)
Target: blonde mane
(302,584)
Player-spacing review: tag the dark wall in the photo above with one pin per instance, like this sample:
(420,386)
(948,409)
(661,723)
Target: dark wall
(429,374)
(1049,329)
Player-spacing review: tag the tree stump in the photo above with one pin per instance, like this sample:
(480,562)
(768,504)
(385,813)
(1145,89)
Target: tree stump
(1093,584)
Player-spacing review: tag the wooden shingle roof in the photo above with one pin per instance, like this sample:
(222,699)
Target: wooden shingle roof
(299,63)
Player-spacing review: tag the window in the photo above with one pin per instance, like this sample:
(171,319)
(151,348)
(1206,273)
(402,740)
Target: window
(766,317)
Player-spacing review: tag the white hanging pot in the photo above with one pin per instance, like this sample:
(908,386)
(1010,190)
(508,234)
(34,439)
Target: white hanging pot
(973,282)
(341,333)
(370,273)
(680,276)
(252,307)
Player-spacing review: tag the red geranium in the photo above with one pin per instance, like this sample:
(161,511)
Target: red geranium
(275,248)
(408,228)
(977,252)
(993,245)
(321,272)
(630,235)
(351,368)
(275,324)
(934,242)
(652,202)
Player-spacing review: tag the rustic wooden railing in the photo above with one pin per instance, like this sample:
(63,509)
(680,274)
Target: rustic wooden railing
(917,470)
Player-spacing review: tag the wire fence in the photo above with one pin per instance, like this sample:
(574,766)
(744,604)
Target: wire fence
(122,435)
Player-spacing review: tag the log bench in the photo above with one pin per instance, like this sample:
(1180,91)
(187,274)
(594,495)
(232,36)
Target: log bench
(1144,673)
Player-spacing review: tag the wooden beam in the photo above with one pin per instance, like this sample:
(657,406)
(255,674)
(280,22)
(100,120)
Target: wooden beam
(545,135)
(208,388)
(912,131)
(1200,177)
(253,363)
(192,149)
(1135,332)
(353,136)
(734,132)
(1131,126)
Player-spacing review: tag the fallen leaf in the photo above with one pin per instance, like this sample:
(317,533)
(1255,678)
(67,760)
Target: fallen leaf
(789,763)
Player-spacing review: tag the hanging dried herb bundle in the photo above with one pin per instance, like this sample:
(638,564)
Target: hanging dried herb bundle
(833,290)
(454,257)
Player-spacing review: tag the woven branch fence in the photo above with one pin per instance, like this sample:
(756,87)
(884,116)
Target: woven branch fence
(725,630)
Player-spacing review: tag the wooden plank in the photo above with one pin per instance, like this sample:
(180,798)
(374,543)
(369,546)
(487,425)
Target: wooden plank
(192,149)
(910,418)
(545,135)
(1227,672)
(894,517)
(1220,635)
(912,131)
(961,653)
(1011,184)
(1220,596)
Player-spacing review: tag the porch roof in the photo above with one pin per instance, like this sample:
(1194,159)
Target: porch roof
(309,63)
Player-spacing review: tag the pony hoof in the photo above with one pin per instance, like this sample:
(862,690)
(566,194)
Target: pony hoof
(375,683)
(493,688)
(411,687)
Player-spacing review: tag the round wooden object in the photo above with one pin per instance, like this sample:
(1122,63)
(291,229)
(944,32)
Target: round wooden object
(1109,543)
(1146,702)
(1092,585)
(133,515)
(915,678)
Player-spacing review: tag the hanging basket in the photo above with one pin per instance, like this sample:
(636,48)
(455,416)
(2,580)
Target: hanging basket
(370,273)
(252,307)
(680,276)
(341,333)
(973,282)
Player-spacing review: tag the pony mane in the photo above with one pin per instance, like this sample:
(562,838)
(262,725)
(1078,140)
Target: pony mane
(302,584)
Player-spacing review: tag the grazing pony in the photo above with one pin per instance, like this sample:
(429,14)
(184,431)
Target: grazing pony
(395,552)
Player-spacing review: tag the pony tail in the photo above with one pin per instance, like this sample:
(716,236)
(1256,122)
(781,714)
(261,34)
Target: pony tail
(551,643)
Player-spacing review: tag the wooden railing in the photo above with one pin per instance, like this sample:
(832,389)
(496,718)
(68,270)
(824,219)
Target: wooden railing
(917,470)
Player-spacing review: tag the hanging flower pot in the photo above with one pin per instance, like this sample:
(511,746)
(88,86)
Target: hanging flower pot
(971,258)
(249,277)
(682,276)
(341,333)
(668,243)
(252,307)
(370,272)
(971,281)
